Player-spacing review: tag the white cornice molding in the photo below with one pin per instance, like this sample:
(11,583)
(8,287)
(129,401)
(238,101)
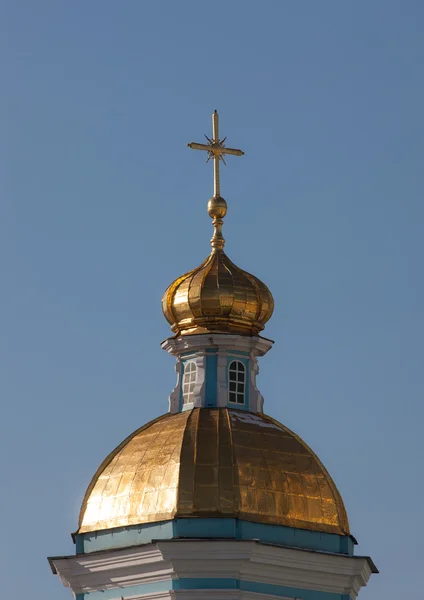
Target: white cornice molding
(257,345)
(245,560)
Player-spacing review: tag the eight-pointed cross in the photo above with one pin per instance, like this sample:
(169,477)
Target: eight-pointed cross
(215,150)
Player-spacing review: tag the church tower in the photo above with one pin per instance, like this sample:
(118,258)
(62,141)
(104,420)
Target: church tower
(214,499)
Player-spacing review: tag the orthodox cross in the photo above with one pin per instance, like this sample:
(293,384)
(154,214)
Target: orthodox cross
(216,150)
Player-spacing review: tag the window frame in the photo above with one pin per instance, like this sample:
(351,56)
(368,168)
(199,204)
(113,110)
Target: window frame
(238,380)
(189,379)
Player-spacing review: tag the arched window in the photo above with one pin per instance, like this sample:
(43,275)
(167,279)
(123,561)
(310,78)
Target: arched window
(189,381)
(237,382)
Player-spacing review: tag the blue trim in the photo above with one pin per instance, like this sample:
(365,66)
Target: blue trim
(206,583)
(214,528)
(120,537)
(80,543)
(210,583)
(211,383)
(281,590)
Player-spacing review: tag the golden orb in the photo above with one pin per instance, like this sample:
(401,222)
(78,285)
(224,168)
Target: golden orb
(213,463)
(217,207)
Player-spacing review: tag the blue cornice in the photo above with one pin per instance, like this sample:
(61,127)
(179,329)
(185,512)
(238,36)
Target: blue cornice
(214,528)
(210,583)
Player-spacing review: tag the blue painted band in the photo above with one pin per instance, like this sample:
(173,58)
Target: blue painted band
(218,528)
(211,583)
(280,590)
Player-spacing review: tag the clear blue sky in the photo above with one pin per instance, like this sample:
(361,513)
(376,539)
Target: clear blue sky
(103,205)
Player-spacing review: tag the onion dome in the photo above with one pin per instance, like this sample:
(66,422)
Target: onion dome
(213,463)
(218,296)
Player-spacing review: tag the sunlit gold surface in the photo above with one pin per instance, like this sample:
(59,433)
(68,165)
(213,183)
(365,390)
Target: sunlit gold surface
(218,297)
(213,463)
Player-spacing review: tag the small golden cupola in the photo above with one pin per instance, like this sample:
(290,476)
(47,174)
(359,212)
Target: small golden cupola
(217,296)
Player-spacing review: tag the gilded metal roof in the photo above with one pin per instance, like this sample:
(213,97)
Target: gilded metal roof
(218,296)
(213,463)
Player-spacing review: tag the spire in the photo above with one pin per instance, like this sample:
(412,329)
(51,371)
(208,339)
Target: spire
(217,206)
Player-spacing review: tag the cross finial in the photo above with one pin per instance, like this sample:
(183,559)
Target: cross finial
(217,207)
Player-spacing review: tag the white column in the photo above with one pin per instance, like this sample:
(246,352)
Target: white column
(174,396)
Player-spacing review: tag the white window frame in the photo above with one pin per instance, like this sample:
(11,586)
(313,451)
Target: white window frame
(189,382)
(235,396)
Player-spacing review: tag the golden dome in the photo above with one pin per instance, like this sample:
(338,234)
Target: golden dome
(218,296)
(213,463)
